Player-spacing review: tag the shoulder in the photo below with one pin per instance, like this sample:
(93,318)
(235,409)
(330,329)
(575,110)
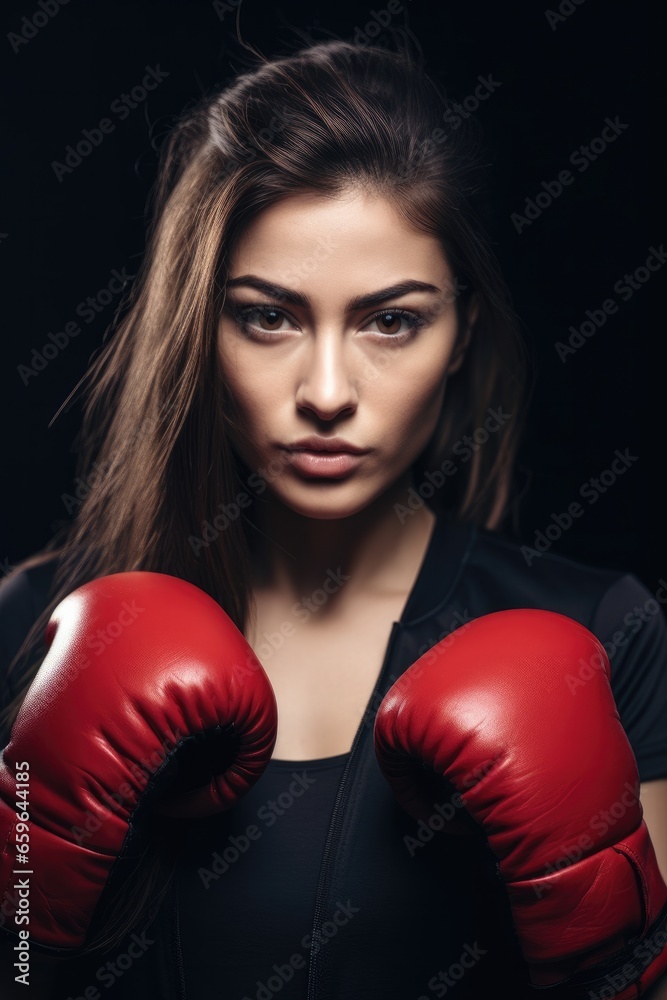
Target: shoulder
(24,591)
(593,595)
(614,604)
(491,571)
(24,594)
(506,573)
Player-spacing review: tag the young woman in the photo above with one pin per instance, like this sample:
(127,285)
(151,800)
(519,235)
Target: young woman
(311,411)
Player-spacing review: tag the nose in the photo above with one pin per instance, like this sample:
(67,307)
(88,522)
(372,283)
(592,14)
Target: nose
(326,387)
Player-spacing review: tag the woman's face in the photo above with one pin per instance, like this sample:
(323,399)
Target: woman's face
(339,321)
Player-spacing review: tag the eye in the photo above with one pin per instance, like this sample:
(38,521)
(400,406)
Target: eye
(389,322)
(270,319)
(261,321)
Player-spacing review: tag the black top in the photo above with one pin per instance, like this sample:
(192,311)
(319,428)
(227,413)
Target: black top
(260,862)
(382,919)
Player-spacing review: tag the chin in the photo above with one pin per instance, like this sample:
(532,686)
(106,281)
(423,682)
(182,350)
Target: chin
(327,502)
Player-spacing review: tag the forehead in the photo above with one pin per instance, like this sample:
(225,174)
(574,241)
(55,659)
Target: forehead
(352,237)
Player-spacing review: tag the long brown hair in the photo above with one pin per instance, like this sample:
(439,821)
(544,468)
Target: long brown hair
(158,412)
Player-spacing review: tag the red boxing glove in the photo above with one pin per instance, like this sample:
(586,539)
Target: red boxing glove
(149,700)
(536,766)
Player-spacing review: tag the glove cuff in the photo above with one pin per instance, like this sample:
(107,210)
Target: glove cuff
(625,976)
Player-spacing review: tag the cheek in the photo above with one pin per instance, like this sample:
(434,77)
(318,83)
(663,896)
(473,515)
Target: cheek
(410,401)
(254,389)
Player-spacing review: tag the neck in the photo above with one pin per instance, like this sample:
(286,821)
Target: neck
(372,550)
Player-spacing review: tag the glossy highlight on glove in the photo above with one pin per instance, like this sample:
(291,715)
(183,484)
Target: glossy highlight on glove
(149,700)
(496,697)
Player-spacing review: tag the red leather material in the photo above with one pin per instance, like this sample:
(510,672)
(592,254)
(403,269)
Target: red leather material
(546,770)
(564,899)
(140,665)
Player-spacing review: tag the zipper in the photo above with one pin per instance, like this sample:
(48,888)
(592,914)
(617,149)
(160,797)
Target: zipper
(333,836)
(177,948)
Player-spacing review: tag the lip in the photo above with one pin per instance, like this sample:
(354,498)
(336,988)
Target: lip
(315,443)
(322,464)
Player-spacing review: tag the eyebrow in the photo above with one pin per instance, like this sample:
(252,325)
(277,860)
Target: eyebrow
(358,302)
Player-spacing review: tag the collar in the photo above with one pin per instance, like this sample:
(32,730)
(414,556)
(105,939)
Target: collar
(443,564)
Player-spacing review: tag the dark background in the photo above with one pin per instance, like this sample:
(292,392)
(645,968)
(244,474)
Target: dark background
(60,240)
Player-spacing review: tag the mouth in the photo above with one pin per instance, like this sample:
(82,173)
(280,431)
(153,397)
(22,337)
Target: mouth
(315,443)
(316,464)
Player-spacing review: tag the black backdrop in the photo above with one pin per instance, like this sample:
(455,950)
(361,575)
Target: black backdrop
(557,74)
